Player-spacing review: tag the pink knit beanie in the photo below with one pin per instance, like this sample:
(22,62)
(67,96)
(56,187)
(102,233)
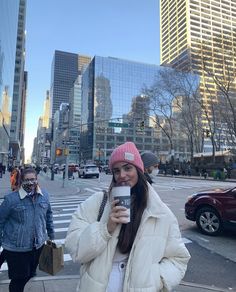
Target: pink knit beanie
(126,152)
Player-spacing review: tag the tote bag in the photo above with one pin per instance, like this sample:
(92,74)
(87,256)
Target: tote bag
(51,259)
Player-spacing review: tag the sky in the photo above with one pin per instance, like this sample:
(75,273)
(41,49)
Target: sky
(127,29)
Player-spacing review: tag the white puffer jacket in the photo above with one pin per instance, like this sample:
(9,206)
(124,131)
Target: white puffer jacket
(157,260)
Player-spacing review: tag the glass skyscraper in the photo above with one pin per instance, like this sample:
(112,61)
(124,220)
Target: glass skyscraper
(114,107)
(65,69)
(9,14)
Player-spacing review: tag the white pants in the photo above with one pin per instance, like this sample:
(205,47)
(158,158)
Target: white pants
(116,279)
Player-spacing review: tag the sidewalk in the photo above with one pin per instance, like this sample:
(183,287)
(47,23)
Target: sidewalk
(69,283)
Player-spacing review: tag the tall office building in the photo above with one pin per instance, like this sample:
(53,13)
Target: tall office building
(66,88)
(200,36)
(65,69)
(12,79)
(46,111)
(19,90)
(115,110)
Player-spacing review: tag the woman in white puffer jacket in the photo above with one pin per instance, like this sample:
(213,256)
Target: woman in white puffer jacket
(145,255)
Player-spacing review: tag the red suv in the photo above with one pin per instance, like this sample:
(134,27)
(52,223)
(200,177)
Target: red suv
(212,210)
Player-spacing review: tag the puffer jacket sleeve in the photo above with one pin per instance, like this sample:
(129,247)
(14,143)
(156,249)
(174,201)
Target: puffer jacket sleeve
(174,263)
(86,237)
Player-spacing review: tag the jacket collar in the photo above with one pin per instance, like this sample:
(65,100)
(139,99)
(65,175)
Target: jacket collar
(23,193)
(155,207)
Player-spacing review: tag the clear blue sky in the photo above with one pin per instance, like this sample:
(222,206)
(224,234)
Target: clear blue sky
(127,29)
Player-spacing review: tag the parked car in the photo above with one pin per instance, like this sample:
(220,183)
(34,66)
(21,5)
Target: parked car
(88,170)
(212,210)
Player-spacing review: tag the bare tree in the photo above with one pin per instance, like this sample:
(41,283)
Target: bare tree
(173,98)
(215,60)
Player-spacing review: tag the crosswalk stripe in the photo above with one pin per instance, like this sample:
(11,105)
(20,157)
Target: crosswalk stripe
(186,240)
(62,229)
(65,205)
(62,215)
(69,209)
(61,221)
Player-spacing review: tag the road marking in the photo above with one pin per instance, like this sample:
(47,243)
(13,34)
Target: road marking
(63,229)
(203,239)
(69,209)
(62,215)
(186,240)
(64,205)
(61,221)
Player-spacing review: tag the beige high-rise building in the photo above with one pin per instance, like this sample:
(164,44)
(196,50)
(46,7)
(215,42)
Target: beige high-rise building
(200,36)
(46,111)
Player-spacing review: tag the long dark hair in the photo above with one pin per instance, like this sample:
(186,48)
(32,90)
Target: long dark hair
(139,197)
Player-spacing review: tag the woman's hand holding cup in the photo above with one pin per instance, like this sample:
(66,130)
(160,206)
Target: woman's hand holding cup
(120,207)
(118,215)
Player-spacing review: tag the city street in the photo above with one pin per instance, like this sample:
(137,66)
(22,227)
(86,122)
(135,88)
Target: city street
(213,259)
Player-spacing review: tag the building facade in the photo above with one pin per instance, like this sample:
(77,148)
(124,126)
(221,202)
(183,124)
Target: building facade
(66,89)
(200,36)
(12,79)
(114,108)
(65,69)
(19,90)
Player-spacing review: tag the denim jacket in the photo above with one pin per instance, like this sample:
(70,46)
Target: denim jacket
(25,222)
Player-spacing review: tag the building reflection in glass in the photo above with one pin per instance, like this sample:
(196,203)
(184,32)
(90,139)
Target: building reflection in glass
(8,35)
(113,107)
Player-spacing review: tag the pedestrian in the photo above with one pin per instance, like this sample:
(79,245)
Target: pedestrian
(1,170)
(147,254)
(15,179)
(25,224)
(150,162)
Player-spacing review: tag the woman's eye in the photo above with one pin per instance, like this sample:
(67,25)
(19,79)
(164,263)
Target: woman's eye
(116,171)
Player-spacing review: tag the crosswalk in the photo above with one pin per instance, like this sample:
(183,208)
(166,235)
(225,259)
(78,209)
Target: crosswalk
(62,212)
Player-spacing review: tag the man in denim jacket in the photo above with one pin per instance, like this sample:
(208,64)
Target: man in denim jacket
(26,222)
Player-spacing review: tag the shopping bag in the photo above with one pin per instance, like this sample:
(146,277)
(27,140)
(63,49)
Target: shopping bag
(51,259)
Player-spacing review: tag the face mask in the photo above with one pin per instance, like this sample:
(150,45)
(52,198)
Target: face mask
(29,185)
(155,171)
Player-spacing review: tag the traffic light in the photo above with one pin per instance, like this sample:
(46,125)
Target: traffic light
(141,125)
(58,152)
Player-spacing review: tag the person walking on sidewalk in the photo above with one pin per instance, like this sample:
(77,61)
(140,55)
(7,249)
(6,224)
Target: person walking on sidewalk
(147,254)
(25,221)
(150,162)
(15,178)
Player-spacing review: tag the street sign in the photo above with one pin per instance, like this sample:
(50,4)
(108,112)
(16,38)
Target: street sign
(118,125)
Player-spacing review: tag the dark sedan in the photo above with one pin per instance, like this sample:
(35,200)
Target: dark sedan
(212,210)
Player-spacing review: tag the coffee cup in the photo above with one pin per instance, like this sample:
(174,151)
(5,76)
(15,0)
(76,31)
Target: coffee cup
(122,193)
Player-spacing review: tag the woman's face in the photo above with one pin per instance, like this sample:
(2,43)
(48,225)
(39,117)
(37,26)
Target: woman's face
(125,173)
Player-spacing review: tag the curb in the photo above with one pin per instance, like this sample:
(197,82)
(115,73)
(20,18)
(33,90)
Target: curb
(202,286)
(76,277)
(197,178)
